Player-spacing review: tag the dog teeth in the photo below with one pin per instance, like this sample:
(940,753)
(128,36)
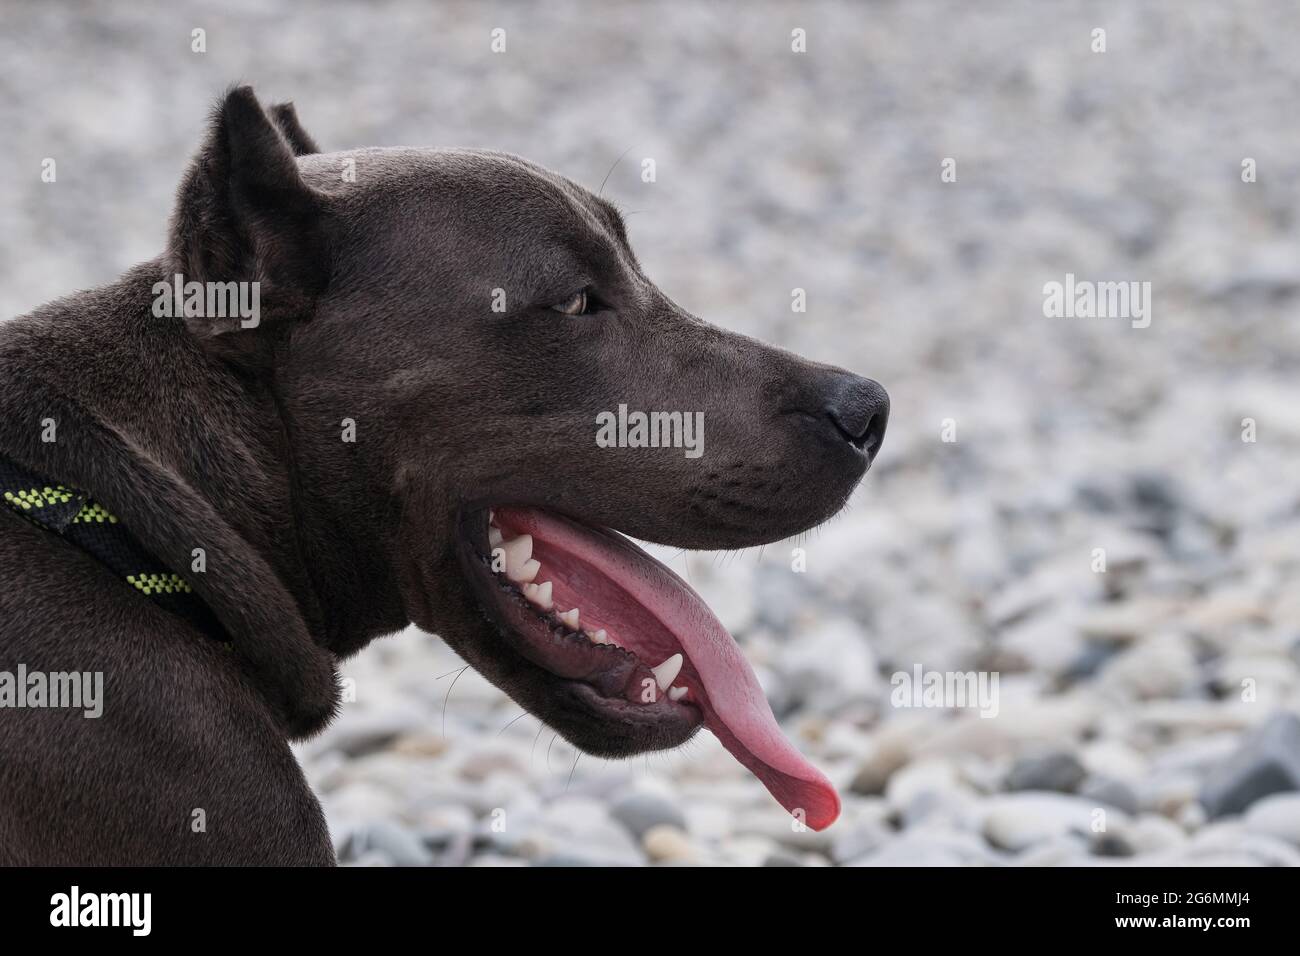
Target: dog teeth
(539,594)
(517,550)
(667,672)
(676,693)
(570,618)
(524,572)
(600,637)
(494,537)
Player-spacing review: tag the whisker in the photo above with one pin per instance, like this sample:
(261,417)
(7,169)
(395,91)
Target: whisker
(448,698)
(611,170)
(532,755)
(512,722)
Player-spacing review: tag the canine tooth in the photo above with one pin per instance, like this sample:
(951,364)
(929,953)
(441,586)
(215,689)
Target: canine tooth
(494,537)
(518,550)
(600,637)
(667,672)
(524,572)
(539,594)
(676,693)
(570,618)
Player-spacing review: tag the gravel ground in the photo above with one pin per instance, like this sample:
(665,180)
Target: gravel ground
(1147,714)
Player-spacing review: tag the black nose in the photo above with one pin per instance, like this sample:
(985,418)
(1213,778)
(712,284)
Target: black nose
(859,410)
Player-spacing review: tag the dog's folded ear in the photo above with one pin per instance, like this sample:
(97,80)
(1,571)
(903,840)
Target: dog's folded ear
(245,215)
(286,117)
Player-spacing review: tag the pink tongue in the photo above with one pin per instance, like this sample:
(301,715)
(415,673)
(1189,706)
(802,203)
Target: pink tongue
(735,709)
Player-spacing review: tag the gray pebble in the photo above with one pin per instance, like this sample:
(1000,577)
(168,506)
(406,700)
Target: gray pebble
(393,842)
(1059,771)
(1267,762)
(1276,816)
(1112,793)
(639,812)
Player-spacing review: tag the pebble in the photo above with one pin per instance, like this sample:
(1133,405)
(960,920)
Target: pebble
(1168,793)
(1018,821)
(779,826)
(1110,793)
(1058,850)
(1152,833)
(932,775)
(1160,666)
(1267,762)
(750,850)
(1276,816)
(665,843)
(863,837)
(388,841)
(641,812)
(364,733)
(1115,759)
(831,664)
(884,758)
(938,847)
(1060,771)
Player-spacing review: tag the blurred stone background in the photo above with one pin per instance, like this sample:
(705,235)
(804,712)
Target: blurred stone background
(1120,691)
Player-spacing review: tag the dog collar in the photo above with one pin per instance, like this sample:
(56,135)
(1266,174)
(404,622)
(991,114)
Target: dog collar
(80,520)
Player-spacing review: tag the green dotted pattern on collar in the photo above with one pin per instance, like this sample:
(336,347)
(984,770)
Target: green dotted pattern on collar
(87,524)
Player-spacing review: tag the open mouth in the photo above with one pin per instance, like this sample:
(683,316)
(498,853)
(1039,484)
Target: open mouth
(632,647)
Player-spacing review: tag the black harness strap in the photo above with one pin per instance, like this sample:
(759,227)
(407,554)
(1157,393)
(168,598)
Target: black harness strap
(77,518)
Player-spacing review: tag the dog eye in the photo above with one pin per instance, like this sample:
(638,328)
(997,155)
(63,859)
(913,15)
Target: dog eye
(577,304)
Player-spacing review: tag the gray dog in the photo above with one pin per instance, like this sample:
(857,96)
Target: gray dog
(455,378)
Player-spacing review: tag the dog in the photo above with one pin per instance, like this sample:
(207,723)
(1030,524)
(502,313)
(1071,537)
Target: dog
(405,432)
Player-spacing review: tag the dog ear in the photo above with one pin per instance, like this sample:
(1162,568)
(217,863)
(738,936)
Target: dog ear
(244,215)
(286,117)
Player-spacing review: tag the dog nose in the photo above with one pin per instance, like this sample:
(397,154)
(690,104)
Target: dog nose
(859,410)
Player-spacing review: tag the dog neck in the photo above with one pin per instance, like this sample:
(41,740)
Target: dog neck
(130,398)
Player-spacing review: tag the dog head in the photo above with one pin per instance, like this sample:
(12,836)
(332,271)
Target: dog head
(483,392)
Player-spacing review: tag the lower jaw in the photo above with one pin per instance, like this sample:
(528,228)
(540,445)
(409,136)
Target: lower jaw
(619,728)
(601,714)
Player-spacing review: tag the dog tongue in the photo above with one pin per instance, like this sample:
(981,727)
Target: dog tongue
(733,704)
